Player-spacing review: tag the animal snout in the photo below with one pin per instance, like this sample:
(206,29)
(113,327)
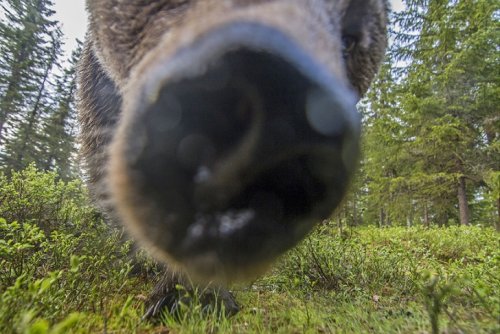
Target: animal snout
(232,149)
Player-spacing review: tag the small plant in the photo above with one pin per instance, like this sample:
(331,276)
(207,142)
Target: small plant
(434,298)
(57,257)
(190,316)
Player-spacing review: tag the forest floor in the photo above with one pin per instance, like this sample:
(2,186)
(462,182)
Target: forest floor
(360,280)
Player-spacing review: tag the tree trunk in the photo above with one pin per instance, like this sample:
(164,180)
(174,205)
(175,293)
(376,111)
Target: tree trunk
(409,218)
(426,215)
(463,205)
(339,221)
(33,115)
(382,217)
(497,225)
(355,212)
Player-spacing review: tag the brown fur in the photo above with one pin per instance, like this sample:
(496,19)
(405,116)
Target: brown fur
(123,32)
(128,38)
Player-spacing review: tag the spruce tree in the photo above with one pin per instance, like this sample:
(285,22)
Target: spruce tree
(30,52)
(59,128)
(432,135)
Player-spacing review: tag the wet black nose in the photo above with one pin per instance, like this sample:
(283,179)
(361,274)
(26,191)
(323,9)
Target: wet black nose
(240,157)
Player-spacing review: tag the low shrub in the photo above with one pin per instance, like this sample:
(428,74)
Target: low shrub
(57,256)
(446,270)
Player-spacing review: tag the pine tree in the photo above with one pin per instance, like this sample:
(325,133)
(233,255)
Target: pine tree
(384,149)
(59,128)
(31,49)
(432,135)
(17,34)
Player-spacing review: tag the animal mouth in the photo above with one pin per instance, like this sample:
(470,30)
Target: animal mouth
(234,152)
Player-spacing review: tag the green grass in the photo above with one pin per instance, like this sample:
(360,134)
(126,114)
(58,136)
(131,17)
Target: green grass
(365,280)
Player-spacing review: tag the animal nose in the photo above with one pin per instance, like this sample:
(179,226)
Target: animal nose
(238,145)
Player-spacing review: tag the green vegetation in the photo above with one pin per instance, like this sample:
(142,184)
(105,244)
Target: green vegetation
(37,104)
(56,255)
(63,270)
(431,125)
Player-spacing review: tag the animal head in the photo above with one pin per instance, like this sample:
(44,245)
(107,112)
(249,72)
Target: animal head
(238,129)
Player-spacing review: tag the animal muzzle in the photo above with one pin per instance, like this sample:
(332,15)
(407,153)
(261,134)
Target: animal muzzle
(231,150)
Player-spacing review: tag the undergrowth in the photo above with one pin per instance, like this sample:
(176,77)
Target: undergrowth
(450,274)
(62,269)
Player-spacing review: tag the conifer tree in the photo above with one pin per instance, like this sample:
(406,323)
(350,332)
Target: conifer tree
(30,50)
(59,129)
(432,143)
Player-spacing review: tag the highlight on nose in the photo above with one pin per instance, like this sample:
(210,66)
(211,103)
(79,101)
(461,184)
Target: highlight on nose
(239,145)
